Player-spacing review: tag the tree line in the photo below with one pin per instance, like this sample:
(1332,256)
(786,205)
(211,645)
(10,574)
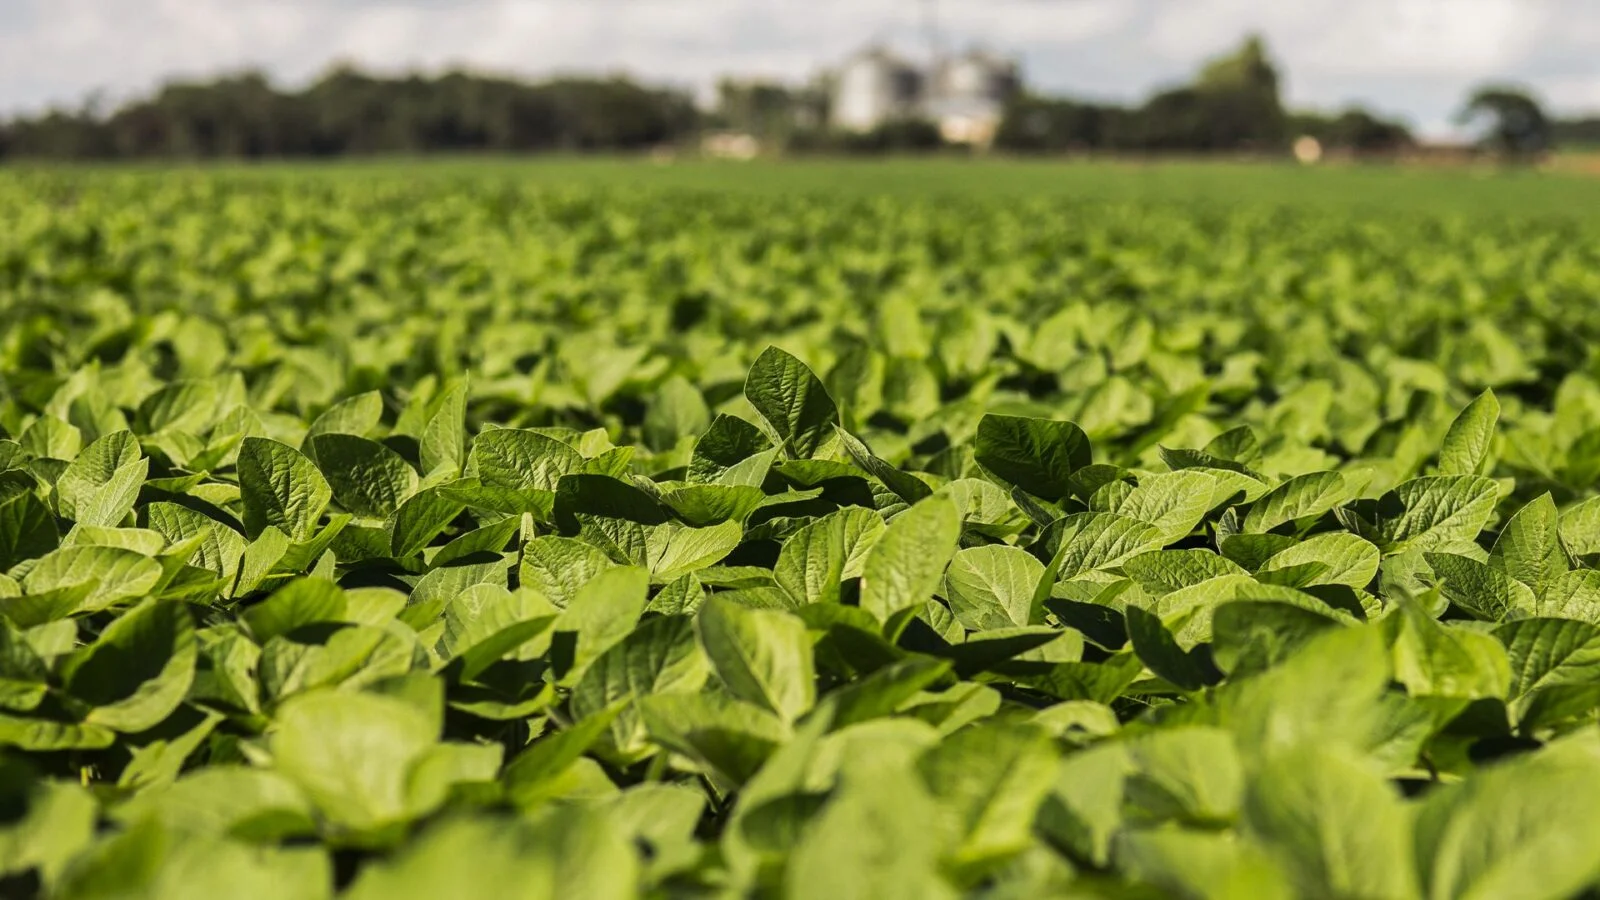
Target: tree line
(348,112)
(1233,104)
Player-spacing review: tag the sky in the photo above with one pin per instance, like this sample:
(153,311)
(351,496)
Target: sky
(1413,58)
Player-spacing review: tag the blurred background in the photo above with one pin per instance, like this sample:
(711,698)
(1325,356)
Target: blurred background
(1319,80)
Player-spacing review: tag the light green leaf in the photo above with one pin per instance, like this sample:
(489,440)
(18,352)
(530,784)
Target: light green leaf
(1174,502)
(1468,442)
(992,777)
(280,488)
(792,400)
(301,602)
(1480,589)
(1350,560)
(1550,653)
(1301,497)
(352,754)
(1443,660)
(993,587)
(358,415)
(1337,827)
(1529,546)
(659,657)
(1514,830)
(903,568)
(761,656)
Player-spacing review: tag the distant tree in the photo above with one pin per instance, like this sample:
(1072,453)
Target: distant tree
(1355,130)
(1518,130)
(761,108)
(1239,93)
(349,112)
(1233,105)
(1034,124)
(1576,132)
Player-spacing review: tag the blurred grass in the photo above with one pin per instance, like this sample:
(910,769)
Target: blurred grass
(1479,190)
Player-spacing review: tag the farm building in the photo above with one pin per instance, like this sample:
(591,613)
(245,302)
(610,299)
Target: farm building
(965,95)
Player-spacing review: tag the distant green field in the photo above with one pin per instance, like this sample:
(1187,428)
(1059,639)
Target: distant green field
(1380,188)
(1463,191)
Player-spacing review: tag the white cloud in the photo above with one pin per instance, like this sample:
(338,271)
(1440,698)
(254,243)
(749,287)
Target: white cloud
(1416,57)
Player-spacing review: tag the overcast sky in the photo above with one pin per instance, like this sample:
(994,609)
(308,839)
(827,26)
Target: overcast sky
(1415,58)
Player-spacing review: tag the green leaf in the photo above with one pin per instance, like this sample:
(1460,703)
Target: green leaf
(353,754)
(672,550)
(1427,513)
(280,488)
(1201,864)
(559,567)
(1468,442)
(1186,775)
(442,448)
(1037,455)
(1580,528)
(1174,502)
(1301,497)
(358,415)
(658,657)
(301,602)
(249,803)
(992,778)
(904,567)
(882,692)
(1444,660)
(139,670)
(811,564)
(792,400)
(153,862)
(906,486)
(27,529)
(1337,827)
(1514,830)
(1529,546)
(366,478)
(994,587)
(1349,559)
(568,852)
(49,823)
(730,737)
(602,613)
(1163,571)
(530,778)
(221,547)
(872,841)
(1327,692)
(1480,589)
(677,410)
(98,479)
(761,656)
(189,405)
(726,448)
(1547,653)
(422,517)
(1096,540)
(522,460)
(1190,670)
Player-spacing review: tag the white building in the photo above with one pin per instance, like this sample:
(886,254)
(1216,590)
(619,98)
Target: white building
(874,87)
(969,96)
(965,94)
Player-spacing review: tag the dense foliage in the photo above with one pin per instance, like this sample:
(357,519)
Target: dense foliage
(396,536)
(351,113)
